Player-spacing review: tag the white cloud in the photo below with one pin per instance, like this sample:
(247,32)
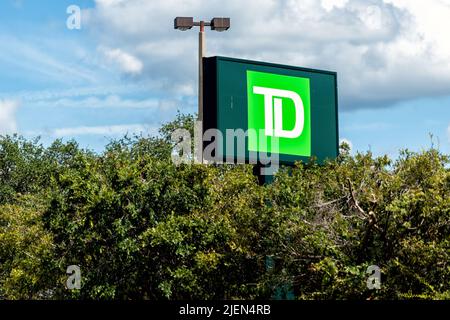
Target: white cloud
(115,130)
(79,92)
(162,108)
(109,2)
(330,4)
(125,61)
(385,51)
(110,101)
(48,60)
(8,110)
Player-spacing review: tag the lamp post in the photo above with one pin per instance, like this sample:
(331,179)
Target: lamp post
(216,24)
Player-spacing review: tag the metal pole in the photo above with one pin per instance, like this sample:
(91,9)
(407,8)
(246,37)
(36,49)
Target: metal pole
(201,54)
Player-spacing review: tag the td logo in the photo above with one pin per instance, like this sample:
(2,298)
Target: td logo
(279,108)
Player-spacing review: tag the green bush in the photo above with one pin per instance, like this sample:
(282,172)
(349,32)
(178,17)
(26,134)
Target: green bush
(140,227)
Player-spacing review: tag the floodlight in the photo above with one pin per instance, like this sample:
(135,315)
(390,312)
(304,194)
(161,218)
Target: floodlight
(183,23)
(220,24)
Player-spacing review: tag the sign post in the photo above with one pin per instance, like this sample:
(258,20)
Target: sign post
(262,111)
(217,24)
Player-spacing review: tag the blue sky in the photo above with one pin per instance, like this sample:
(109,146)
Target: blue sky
(127,70)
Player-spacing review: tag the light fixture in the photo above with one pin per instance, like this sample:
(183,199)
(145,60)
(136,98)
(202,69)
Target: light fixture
(220,24)
(183,23)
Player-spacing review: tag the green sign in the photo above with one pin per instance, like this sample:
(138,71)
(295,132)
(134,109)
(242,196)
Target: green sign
(279,107)
(286,110)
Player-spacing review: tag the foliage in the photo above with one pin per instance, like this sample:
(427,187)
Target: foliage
(140,227)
